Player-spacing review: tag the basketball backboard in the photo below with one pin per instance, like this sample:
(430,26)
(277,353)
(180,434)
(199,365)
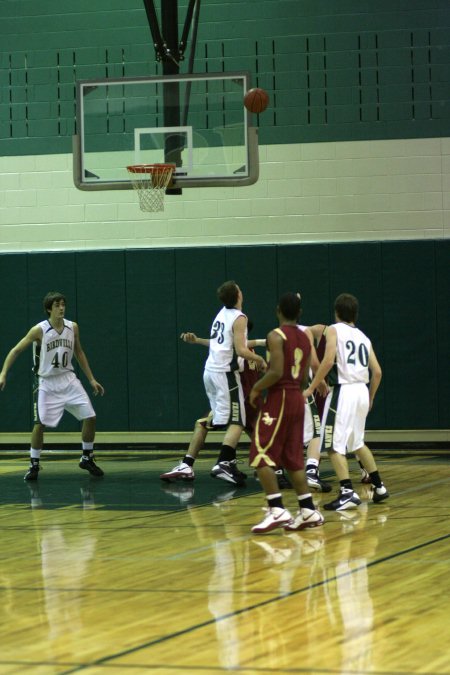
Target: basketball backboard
(197,122)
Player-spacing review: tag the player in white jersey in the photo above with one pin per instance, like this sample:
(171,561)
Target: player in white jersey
(350,363)
(184,470)
(227,342)
(56,389)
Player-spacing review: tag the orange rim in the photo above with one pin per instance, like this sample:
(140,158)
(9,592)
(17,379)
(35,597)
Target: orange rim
(150,168)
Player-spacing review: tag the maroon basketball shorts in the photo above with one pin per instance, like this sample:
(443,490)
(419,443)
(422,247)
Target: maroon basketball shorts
(278,436)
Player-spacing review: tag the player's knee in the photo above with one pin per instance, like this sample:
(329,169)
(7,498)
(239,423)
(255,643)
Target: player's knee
(200,423)
(90,421)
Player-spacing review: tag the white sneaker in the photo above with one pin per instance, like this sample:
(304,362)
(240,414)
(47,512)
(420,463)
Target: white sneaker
(275,517)
(274,555)
(180,472)
(183,491)
(304,519)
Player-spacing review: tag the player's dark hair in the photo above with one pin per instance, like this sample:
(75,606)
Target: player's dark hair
(290,306)
(50,298)
(346,307)
(228,294)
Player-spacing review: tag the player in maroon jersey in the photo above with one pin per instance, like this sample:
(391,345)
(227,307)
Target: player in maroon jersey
(278,434)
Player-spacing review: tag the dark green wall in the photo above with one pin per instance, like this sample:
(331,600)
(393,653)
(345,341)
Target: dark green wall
(132,306)
(334,70)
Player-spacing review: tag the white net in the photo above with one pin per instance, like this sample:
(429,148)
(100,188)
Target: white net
(150,182)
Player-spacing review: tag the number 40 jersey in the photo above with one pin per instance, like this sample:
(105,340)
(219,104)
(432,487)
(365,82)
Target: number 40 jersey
(352,356)
(54,355)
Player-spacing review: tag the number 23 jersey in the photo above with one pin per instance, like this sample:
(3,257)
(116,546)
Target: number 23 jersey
(53,357)
(352,356)
(222,356)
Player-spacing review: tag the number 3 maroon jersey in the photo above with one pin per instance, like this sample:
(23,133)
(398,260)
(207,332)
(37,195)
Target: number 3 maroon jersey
(278,436)
(296,349)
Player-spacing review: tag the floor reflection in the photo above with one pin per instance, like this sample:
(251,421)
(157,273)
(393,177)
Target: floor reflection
(322,573)
(66,553)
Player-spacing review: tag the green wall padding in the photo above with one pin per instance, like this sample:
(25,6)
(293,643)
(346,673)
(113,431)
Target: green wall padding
(442,354)
(133,305)
(150,312)
(15,406)
(101,303)
(410,335)
(306,269)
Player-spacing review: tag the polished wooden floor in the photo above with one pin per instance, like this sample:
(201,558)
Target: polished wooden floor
(128,575)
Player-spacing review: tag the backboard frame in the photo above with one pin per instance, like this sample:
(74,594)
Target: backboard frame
(181,179)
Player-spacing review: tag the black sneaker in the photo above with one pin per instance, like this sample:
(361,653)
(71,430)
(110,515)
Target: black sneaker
(379,494)
(283,481)
(229,472)
(91,466)
(345,500)
(240,473)
(313,480)
(32,473)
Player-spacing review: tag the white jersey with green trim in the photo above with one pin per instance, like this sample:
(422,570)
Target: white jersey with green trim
(222,356)
(352,355)
(54,355)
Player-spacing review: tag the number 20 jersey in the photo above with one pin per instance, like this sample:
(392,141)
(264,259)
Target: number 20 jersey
(54,355)
(352,356)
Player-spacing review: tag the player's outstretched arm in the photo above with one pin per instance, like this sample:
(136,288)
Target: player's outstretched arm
(33,335)
(259,342)
(192,339)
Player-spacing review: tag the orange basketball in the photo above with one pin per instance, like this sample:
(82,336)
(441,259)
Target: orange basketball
(256,100)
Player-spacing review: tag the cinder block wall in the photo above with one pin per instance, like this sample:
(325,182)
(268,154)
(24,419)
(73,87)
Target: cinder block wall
(341,191)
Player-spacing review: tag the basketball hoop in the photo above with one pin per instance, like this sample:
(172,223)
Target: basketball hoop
(150,182)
